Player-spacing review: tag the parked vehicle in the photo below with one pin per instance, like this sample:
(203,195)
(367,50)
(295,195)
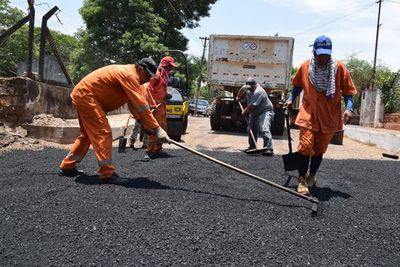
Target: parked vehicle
(202,107)
(234,58)
(178,105)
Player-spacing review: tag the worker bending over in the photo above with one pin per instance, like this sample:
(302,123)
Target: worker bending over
(102,91)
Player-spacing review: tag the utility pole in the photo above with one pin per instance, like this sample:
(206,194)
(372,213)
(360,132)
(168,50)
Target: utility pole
(376,43)
(204,40)
(30,38)
(378,113)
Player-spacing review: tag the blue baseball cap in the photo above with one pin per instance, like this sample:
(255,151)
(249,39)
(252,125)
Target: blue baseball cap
(323,45)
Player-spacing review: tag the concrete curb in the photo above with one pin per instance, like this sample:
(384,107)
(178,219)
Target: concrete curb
(386,139)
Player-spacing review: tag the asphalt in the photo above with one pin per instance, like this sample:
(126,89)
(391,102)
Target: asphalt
(184,210)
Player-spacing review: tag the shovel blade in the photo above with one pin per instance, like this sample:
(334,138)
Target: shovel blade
(255,150)
(290,161)
(121,144)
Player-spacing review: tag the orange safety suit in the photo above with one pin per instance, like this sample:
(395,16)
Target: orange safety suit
(158,90)
(319,118)
(101,91)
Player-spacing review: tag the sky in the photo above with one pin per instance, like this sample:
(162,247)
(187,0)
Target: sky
(351,24)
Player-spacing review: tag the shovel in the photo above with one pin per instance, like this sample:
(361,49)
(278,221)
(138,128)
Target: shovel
(122,139)
(290,161)
(256,150)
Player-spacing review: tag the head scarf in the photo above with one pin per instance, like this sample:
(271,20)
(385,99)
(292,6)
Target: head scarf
(323,77)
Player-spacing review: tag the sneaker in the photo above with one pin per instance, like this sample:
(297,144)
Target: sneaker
(302,188)
(70,172)
(115,179)
(268,153)
(311,179)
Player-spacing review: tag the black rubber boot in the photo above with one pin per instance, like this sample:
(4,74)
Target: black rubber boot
(70,172)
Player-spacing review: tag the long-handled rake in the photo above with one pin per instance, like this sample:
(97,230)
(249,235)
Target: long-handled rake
(313,200)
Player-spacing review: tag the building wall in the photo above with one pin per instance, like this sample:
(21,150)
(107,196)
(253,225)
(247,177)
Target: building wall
(22,98)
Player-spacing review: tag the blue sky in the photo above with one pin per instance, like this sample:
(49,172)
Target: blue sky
(351,24)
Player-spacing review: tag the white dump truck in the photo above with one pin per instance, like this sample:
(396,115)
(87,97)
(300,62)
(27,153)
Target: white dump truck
(234,58)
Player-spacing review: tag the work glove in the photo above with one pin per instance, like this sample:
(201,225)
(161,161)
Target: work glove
(162,135)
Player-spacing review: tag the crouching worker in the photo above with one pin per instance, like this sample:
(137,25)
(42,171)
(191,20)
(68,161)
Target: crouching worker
(101,91)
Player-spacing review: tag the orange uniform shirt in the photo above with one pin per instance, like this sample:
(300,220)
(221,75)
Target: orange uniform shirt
(111,87)
(158,91)
(316,112)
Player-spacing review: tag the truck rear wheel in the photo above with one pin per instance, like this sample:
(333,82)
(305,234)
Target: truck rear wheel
(215,118)
(278,124)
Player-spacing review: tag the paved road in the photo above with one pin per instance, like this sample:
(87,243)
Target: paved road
(185,210)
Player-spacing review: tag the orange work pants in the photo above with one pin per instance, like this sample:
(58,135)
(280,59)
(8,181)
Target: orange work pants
(313,143)
(153,145)
(94,130)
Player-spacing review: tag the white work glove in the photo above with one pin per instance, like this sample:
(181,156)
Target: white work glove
(162,135)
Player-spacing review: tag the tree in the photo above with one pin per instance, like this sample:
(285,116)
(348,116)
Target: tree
(138,28)
(179,14)
(123,30)
(14,49)
(361,72)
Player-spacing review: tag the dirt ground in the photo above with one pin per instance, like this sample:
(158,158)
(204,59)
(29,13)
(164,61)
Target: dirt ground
(198,136)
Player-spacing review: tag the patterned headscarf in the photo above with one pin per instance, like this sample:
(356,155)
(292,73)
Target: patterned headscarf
(323,77)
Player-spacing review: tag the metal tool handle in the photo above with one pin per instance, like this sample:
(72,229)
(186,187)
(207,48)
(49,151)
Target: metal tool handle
(311,199)
(247,121)
(288,129)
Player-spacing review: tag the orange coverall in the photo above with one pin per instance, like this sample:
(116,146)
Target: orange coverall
(101,91)
(158,90)
(317,114)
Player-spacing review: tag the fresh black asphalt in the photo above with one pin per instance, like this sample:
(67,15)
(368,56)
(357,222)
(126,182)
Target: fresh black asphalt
(185,210)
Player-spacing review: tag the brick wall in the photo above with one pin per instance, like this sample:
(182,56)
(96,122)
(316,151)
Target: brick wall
(392,121)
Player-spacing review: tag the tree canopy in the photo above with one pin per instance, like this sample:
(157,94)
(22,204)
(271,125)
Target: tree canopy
(126,30)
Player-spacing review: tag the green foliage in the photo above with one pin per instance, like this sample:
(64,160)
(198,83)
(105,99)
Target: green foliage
(361,73)
(391,93)
(179,14)
(122,30)
(136,28)
(13,50)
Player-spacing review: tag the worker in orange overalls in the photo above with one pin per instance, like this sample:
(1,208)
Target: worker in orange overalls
(157,87)
(324,82)
(101,91)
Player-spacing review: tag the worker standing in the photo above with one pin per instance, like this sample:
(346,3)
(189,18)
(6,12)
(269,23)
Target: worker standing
(101,91)
(324,81)
(157,87)
(261,114)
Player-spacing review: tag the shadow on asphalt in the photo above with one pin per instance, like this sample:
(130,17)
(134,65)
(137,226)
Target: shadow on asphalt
(321,193)
(325,193)
(142,183)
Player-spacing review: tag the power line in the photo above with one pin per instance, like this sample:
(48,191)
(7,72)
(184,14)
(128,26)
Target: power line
(332,21)
(182,18)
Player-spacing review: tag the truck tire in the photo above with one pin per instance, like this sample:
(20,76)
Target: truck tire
(215,117)
(185,123)
(278,124)
(175,129)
